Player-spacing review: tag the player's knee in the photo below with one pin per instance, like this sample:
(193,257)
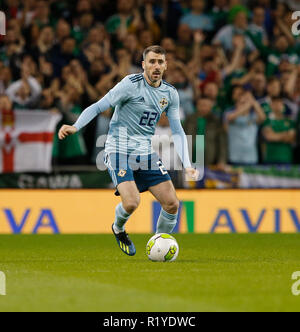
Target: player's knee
(131,205)
(172,206)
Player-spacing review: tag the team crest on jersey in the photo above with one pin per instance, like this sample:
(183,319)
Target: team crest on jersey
(163,102)
(122,173)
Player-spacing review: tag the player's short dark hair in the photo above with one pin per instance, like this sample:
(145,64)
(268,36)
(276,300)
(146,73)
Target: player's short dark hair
(154,48)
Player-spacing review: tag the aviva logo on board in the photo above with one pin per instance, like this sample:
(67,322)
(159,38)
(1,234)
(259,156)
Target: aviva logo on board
(185,219)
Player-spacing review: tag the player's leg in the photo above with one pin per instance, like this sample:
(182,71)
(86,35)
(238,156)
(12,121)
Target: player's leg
(122,177)
(130,200)
(165,193)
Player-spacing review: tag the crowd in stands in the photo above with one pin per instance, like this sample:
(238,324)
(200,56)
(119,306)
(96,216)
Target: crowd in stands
(235,64)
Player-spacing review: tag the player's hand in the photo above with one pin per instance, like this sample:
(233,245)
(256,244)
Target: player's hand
(65,131)
(192,174)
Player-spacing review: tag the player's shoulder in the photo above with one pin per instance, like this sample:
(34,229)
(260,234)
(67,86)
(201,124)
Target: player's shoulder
(168,85)
(171,90)
(134,78)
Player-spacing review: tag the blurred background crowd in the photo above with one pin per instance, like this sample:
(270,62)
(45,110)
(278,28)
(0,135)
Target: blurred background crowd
(235,64)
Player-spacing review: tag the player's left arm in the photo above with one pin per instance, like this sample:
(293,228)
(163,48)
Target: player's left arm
(180,140)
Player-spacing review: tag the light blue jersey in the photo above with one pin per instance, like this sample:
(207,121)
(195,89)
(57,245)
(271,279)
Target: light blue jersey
(138,107)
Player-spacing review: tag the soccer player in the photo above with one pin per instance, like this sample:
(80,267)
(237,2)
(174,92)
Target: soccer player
(139,101)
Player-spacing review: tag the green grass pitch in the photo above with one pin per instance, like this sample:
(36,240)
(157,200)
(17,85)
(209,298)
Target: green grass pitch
(220,272)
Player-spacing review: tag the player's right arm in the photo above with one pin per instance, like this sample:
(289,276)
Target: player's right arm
(115,96)
(85,117)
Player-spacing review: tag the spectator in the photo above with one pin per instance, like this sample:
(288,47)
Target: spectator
(124,60)
(83,6)
(241,123)
(13,46)
(150,21)
(169,45)
(96,35)
(289,82)
(143,19)
(146,38)
(25,92)
(106,81)
(258,85)
(92,52)
(73,149)
(62,31)
(5,78)
(27,13)
(274,90)
(205,122)
(42,14)
(268,7)
(235,71)
(280,135)
(64,55)
(224,37)
(131,44)
(276,54)
(82,26)
(180,81)
(297,147)
(96,70)
(44,44)
(196,19)
(184,43)
(46,74)
(89,93)
(219,13)
(5,103)
(283,22)
(47,100)
(119,23)
(211,91)
(256,27)
(209,72)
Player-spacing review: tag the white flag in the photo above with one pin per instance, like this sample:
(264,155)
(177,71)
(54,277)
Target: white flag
(26,140)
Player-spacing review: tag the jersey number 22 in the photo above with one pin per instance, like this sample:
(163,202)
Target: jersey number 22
(148,119)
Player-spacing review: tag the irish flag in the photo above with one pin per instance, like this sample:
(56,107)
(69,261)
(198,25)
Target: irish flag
(26,139)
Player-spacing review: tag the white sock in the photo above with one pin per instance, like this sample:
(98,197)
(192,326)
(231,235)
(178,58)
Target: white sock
(121,218)
(166,222)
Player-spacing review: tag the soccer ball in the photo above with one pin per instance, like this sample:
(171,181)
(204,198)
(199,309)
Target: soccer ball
(162,248)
